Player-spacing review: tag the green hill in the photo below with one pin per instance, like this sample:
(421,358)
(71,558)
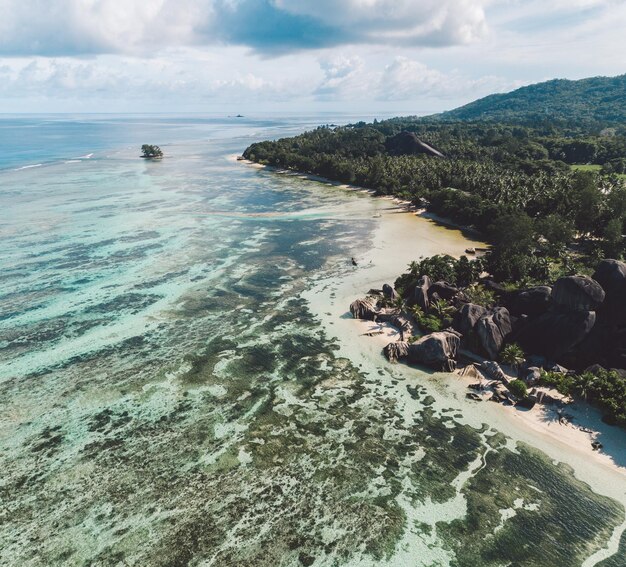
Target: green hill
(597,101)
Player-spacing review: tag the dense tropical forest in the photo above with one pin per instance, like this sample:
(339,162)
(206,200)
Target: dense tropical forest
(539,172)
(594,102)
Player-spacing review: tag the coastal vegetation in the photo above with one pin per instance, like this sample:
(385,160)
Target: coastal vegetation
(149,151)
(539,173)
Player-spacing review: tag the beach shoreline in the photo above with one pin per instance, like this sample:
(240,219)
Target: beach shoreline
(408,206)
(404,234)
(390,251)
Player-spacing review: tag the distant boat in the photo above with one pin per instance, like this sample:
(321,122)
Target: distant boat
(470,250)
(239,116)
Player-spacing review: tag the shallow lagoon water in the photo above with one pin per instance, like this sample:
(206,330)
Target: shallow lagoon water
(170,398)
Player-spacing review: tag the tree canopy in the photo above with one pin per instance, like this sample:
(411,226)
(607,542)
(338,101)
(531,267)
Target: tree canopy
(149,151)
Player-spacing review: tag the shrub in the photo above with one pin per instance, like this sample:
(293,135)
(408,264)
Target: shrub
(518,388)
(480,295)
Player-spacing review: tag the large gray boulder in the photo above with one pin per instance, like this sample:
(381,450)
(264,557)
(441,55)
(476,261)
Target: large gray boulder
(420,295)
(363,309)
(577,293)
(465,319)
(533,301)
(437,351)
(389,292)
(396,351)
(556,332)
(493,329)
(443,290)
(611,275)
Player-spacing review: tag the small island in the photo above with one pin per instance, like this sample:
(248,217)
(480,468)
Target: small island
(149,151)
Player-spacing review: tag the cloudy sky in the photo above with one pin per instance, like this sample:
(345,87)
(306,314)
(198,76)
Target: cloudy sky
(385,56)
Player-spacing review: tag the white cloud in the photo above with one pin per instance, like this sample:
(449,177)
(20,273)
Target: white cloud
(399,21)
(79,27)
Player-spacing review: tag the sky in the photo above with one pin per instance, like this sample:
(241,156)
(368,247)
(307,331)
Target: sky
(376,56)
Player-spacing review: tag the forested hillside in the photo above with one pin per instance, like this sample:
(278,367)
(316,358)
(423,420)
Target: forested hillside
(596,102)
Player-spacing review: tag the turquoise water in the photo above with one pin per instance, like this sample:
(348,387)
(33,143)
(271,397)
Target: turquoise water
(168,398)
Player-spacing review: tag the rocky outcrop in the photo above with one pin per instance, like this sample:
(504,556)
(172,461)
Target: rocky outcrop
(564,331)
(466,318)
(398,320)
(556,332)
(493,371)
(531,375)
(577,293)
(407,143)
(611,275)
(493,328)
(363,309)
(389,292)
(420,295)
(532,302)
(442,290)
(396,351)
(437,351)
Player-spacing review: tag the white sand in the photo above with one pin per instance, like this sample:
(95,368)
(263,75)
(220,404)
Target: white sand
(405,236)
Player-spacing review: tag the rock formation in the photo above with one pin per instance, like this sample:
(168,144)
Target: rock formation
(363,309)
(389,292)
(420,295)
(437,351)
(577,293)
(407,143)
(493,328)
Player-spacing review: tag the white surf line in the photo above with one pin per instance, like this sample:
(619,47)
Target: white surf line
(28,166)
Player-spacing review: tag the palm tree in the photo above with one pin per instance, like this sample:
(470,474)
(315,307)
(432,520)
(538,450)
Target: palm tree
(585,381)
(512,355)
(398,303)
(442,308)
(414,268)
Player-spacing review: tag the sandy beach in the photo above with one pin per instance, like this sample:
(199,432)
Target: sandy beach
(404,236)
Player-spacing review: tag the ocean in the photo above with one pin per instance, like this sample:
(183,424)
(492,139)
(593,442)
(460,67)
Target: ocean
(171,392)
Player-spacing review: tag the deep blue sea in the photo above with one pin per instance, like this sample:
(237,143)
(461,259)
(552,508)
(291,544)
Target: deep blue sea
(169,396)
